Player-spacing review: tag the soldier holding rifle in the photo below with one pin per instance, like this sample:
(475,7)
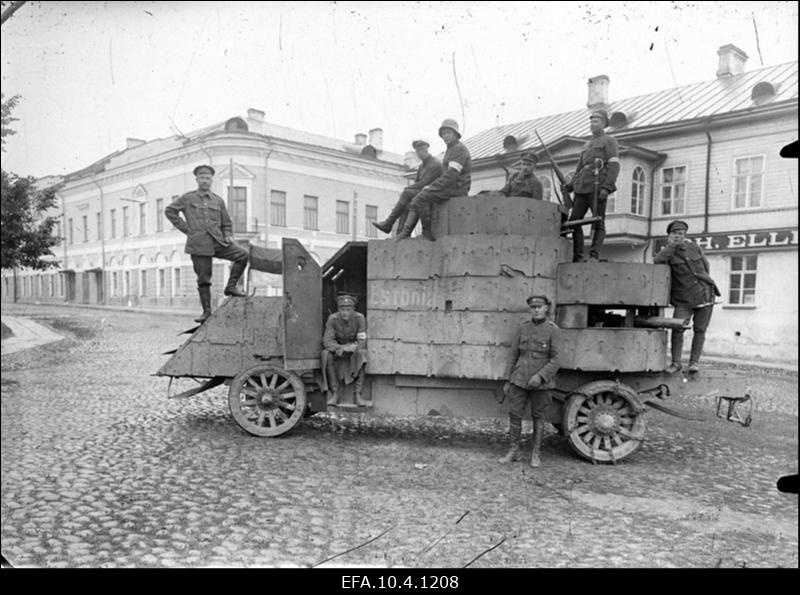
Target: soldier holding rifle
(594,179)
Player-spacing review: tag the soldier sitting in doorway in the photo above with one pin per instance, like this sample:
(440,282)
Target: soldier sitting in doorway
(344,350)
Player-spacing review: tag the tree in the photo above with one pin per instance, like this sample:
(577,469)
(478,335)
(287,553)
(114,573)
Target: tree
(25,235)
(7,106)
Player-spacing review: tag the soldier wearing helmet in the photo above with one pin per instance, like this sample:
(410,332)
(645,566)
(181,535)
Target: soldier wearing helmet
(525,182)
(455,181)
(209,232)
(429,169)
(530,374)
(344,344)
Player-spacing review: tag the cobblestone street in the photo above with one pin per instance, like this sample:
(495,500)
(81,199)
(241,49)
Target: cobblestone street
(99,468)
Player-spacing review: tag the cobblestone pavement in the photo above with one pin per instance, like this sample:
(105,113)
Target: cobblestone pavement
(99,468)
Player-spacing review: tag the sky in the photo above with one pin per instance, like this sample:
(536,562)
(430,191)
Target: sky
(91,74)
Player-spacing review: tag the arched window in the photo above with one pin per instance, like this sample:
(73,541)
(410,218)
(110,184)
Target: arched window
(638,184)
(143,265)
(161,275)
(547,187)
(177,277)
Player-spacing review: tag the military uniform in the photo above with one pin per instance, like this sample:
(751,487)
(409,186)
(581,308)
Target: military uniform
(691,293)
(522,184)
(428,171)
(534,351)
(455,181)
(605,148)
(530,374)
(207,225)
(347,367)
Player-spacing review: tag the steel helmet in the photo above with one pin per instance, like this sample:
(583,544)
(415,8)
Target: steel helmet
(451,124)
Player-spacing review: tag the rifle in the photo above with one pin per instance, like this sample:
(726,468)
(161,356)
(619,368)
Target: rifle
(562,179)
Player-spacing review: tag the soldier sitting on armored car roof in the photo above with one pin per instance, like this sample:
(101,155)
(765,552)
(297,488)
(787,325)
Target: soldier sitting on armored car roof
(525,182)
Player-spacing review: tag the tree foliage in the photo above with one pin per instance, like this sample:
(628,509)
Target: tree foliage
(25,234)
(7,118)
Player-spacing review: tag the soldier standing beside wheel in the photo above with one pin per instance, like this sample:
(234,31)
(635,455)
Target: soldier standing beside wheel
(210,233)
(344,350)
(530,374)
(692,291)
(524,182)
(594,179)
(455,181)
(429,169)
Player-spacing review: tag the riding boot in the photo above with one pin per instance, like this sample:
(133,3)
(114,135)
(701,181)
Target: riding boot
(411,223)
(386,225)
(515,431)
(425,218)
(538,430)
(358,385)
(205,302)
(333,383)
(237,269)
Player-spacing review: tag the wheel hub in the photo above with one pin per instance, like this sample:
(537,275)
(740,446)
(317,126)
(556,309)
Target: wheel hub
(265,399)
(604,420)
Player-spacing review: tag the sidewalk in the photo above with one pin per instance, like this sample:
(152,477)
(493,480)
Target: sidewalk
(27,334)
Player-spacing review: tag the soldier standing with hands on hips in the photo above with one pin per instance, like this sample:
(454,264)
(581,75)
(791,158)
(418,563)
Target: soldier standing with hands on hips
(530,374)
(691,293)
(209,233)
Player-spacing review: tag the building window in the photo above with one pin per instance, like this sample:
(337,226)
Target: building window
(673,190)
(743,280)
(748,183)
(125,222)
(143,282)
(58,231)
(127,279)
(310,212)
(61,285)
(176,281)
(99,225)
(85,228)
(547,188)
(52,286)
(637,191)
(162,282)
(237,205)
(278,208)
(342,216)
(113,223)
(142,219)
(159,214)
(115,284)
(370,217)
(611,203)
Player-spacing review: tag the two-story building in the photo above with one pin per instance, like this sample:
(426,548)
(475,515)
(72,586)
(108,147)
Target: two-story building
(707,153)
(119,249)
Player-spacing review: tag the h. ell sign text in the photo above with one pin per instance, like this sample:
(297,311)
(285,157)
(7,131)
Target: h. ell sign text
(740,240)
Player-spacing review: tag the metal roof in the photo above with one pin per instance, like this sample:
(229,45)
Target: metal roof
(690,102)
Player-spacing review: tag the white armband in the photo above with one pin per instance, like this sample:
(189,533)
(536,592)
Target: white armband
(456,166)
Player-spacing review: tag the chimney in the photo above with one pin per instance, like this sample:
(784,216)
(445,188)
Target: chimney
(361,138)
(731,61)
(598,91)
(130,143)
(376,138)
(255,114)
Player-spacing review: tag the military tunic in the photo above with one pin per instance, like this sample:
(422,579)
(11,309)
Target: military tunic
(534,350)
(339,332)
(604,147)
(207,221)
(526,185)
(684,260)
(455,181)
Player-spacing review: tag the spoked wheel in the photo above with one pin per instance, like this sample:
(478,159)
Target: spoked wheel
(266,400)
(604,421)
